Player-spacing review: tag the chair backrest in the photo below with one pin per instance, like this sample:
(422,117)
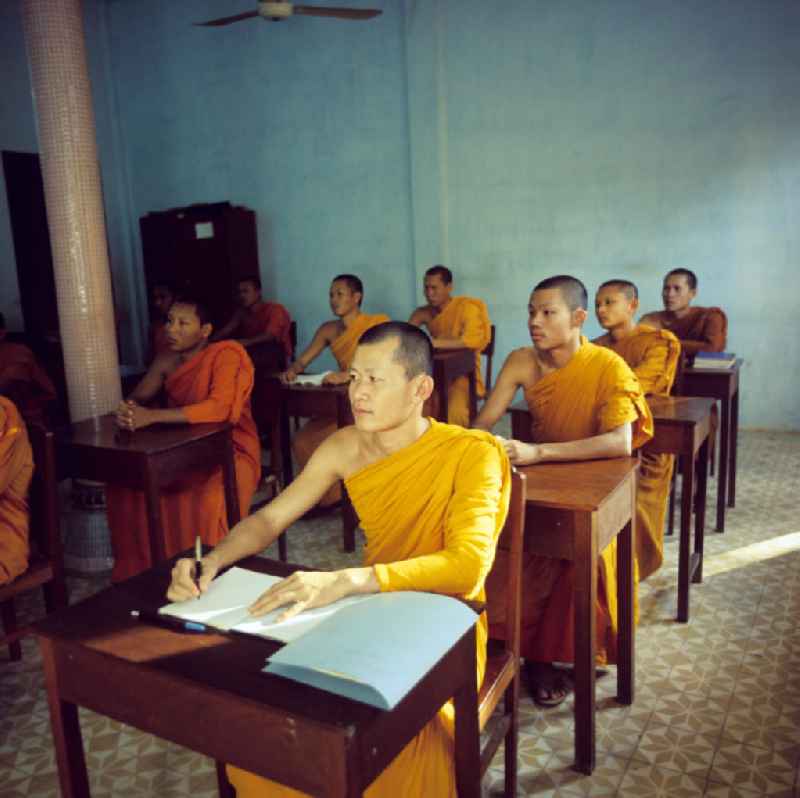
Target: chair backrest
(511,541)
(488,350)
(45,527)
(677,384)
(293,338)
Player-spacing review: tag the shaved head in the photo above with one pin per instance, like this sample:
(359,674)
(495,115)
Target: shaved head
(691,277)
(572,289)
(625,286)
(414,349)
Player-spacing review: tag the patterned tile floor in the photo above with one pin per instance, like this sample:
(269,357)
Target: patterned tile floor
(717,708)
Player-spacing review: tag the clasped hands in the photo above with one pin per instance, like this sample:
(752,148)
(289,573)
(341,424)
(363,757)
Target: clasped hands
(132,416)
(303,590)
(520,453)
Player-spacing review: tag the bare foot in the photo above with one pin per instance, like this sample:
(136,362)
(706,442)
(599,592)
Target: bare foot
(546,684)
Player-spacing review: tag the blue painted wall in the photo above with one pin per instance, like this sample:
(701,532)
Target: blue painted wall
(511,141)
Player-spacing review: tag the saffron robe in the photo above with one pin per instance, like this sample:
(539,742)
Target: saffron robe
(468,319)
(214,385)
(700,330)
(594,393)
(269,317)
(316,430)
(653,355)
(22,377)
(16,470)
(431,513)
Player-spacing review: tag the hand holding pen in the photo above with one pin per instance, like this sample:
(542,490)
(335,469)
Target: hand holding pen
(185,585)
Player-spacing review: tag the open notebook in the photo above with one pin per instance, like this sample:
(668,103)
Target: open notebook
(224,606)
(311,379)
(372,649)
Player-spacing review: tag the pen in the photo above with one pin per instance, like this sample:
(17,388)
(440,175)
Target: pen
(198,565)
(167,622)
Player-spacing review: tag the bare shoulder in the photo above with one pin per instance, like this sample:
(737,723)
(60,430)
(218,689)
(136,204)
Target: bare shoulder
(165,363)
(329,330)
(654,319)
(341,452)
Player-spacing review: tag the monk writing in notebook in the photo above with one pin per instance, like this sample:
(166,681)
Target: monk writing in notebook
(203,383)
(341,335)
(454,322)
(653,355)
(698,329)
(257,321)
(585,404)
(432,499)
(23,379)
(16,470)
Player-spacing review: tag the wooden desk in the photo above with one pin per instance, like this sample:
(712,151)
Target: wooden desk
(681,427)
(573,511)
(148,459)
(308,401)
(207,692)
(722,384)
(448,364)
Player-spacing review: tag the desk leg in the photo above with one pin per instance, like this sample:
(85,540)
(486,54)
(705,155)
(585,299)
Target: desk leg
(724,455)
(349,521)
(473,397)
(467,736)
(229,480)
(158,548)
(684,567)
(585,631)
(286,445)
(626,545)
(66,731)
(734,448)
(700,515)
(444,401)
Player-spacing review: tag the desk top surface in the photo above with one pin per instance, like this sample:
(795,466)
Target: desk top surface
(691,371)
(103,624)
(680,409)
(102,433)
(579,486)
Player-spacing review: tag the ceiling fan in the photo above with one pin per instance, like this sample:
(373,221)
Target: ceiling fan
(278,11)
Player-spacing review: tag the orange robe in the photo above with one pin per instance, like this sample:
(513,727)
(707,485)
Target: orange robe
(269,317)
(466,318)
(16,470)
(653,355)
(22,377)
(700,330)
(432,513)
(594,393)
(214,385)
(315,431)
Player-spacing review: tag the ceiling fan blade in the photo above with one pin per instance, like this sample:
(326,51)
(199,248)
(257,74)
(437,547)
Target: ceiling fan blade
(338,12)
(216,23)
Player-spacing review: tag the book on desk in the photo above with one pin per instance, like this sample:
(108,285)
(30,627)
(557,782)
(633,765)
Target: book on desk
(714,360)
(371,648)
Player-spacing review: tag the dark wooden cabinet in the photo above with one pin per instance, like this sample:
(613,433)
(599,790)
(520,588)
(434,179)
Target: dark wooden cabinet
(206,248)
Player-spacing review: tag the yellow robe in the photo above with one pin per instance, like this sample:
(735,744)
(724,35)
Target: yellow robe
(468,319)
(653,355)
(16,470)
(432,513)
(316,430)
(594,393)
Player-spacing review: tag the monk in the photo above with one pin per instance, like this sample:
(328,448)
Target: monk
(257,321)
(585,404)
(698,329)
(203,383)
(162,296)
(16,470)
(341,335)
(653,355)
(432,499)
(454,322)
(23,379)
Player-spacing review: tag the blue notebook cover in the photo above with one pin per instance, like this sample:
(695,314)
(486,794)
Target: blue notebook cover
(377,650)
